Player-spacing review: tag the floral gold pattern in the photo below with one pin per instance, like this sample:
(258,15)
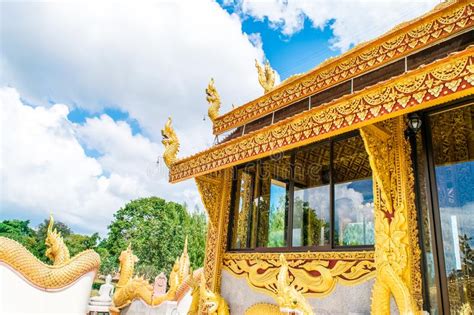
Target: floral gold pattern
(444,80)
(314,274)
(397,254)
(445,20)
(215,192)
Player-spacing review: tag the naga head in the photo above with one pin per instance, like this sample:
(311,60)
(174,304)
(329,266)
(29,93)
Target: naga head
(210,299)
(266,76)
(127,258)
(288,298)
(127,265)
(171,143)
(175,280)
(214,100)
(56,249)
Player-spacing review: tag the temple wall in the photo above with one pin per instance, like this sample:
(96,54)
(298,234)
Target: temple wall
(18,296)
(343,300)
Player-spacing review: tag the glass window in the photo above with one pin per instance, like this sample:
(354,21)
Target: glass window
(311,206)
(272,201)
(453,154)
(353,194)
(317,196)
(243,203)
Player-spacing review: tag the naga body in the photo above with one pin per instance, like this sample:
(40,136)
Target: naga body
(65,270)
(131,287)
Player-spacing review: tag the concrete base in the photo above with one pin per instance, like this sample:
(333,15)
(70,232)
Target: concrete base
(139,307)
(19,296)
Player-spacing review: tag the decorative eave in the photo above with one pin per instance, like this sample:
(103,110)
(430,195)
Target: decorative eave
(443,21)
(439,82)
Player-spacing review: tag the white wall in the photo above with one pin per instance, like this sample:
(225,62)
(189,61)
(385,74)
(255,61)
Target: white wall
(18,296)
(344,300)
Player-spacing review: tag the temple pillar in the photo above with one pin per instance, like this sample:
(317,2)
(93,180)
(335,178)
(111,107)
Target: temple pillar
(397,253)
(215,191)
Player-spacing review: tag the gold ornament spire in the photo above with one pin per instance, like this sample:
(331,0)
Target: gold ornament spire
(171,143)
(214,100)
(266,76)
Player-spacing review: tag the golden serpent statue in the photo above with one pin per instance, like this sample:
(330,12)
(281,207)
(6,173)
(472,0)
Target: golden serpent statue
(65,271)
(130,288)
(288,298)
(171,143)
(213,303)
(56,250)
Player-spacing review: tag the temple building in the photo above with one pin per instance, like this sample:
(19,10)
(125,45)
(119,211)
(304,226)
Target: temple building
(360,172)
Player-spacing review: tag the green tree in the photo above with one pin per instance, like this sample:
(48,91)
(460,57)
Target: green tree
(21,232)
(34,241)
(156,229)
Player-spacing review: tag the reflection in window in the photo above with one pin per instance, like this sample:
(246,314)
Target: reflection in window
(311,212)
(296,188)
(353,194)
(272,201)
(453,153)
(243,204)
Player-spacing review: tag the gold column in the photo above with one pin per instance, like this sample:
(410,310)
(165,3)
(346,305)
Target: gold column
(397,254)
(215,193)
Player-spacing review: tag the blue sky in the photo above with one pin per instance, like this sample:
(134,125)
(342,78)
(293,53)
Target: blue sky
(87,87)
(288,55)
(294,54)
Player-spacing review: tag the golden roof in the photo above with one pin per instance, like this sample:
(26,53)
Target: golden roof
(446,79)
(445,20)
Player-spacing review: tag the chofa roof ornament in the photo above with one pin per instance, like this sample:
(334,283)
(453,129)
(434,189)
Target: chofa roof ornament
(171,143)
(266,76)
(214,100)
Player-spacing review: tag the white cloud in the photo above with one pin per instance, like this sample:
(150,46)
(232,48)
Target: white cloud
(352,21)
(44,167)
(150,59)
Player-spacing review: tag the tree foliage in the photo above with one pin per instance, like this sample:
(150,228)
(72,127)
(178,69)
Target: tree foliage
(155,228)
(34,240)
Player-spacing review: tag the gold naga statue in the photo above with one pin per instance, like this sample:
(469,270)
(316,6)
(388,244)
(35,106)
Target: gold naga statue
(171,143)
(131,287)
(288,298)
(212,302)
(266,76)
(214,100)
(69,278)
(204,301)
(56,250)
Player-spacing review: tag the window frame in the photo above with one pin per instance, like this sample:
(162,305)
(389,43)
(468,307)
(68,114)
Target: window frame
(290,205)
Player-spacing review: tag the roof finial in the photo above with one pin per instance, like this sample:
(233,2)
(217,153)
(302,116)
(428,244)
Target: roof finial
(214,100)
(266,76)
